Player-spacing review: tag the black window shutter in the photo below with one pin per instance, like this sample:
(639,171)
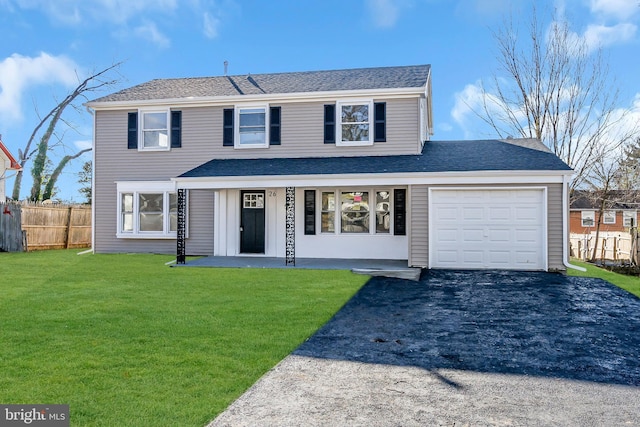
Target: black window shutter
(330,124)
(132,131)
(274,126)
(380,122)
(176,129)
(400,212)
(227,128)
(309,212)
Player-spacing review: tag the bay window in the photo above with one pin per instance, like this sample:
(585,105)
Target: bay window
(366,211)
(147,210)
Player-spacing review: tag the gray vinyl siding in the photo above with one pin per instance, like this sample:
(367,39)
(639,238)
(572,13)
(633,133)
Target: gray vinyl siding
(419,226)
(302,136)
(302,133)
(554,230)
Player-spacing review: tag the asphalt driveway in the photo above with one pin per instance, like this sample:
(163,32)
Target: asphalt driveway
(462,348)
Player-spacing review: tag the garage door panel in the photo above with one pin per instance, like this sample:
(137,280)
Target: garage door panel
(498,235)
(471,235)
(447,235)
(473,214)
(488,228)
(499,213)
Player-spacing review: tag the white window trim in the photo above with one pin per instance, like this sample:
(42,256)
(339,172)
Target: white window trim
(339,104)
(337,217)
(627,215)
(236,126)
(591,214)
(141,113)
(608,213)
(137,187)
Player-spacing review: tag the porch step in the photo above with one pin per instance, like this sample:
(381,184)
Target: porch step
(398,273)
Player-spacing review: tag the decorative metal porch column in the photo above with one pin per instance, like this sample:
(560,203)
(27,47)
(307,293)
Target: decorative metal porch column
(182,225)
(291,226)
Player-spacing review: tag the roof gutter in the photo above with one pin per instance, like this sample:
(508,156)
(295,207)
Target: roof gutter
(196,101)
(565,225)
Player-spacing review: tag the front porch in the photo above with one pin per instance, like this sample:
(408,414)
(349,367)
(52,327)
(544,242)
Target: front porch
(371,267)
(308,263)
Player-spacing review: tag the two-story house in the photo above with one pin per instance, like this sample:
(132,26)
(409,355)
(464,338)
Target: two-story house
(321,164)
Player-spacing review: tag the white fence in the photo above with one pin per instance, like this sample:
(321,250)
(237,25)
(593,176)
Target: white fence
(616,246)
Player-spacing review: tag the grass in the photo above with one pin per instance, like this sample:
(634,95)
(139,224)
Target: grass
(125,340)
(628,283)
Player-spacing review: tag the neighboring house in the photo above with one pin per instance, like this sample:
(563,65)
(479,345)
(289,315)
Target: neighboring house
(7,163)
(321,164)
(620,213)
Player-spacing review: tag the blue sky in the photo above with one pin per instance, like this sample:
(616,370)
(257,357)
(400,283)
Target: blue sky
(46,45)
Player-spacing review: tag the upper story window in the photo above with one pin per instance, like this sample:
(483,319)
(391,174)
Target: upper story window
(355,122)
(588,218)
(154,130)
(251,126)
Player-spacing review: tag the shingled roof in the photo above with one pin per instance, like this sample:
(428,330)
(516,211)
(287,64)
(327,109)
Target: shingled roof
(414,76)
(437,156)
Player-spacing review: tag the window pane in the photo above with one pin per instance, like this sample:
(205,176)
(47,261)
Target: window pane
(355,132)
(127,212)
(328,222)
(249,138)
(252,117)
(383,217)
(150,222)
(150,202)
(173,212)
(355,212)
(355,113)
(154,121)
(156,139)
(127,202)
(328,215)
(150,207)
(609,217)
(127,222)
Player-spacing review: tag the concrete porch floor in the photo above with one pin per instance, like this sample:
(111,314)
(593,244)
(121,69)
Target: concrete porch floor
(309,263)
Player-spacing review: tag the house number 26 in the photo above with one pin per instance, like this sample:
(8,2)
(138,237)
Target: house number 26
(273,193)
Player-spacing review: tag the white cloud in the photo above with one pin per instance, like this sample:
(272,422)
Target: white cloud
(83,144)
(149,31)
(75,12)
(385,13)
(619,9)
(18,73)
(596,36)
(211,25)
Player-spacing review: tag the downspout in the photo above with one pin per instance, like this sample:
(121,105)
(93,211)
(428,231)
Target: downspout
(93,180)
(565,225)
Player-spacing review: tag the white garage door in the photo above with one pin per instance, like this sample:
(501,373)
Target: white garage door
(487,228)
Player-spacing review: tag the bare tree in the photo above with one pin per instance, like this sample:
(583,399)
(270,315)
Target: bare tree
(553,88)
(95,82)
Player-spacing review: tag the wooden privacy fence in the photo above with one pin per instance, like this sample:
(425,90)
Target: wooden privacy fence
(27,227)
(620,246)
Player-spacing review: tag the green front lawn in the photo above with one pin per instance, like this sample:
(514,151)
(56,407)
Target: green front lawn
(125,340)
(628,283)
